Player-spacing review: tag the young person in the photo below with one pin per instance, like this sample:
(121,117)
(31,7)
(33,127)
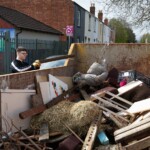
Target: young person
(19,64)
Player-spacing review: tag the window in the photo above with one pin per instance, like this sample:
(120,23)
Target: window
(89,22)
(78,18)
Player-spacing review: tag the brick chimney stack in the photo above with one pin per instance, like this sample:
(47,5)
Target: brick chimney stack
(100,15)
(92,9)
(106,21)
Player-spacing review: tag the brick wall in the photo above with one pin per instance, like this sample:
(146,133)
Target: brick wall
(55,13)
(4,24)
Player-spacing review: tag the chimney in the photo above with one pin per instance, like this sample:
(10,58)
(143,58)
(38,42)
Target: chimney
(106,21)
(92,9)
(100,15)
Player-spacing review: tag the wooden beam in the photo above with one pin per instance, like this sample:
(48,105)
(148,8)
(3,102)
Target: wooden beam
(132,126)
(56,58)
(111,104)
(145,128)
(91,135)
(111,112)
(119,98)
(84,94)
(138,145)
(33,111)
(41,108)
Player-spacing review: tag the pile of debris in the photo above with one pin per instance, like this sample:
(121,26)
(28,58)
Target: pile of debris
(92,112)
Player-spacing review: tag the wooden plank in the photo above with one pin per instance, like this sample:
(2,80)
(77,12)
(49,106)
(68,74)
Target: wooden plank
(56,58)
(115,102)
(73,132)
(138,145)
(84,94)
(119,98)
(118,122)
(131,85)
(111,112)
(44,132)
(91,135)
(145,128)
(41,108)
(45,91)
(140,106)
(111,104)
(132,126)
(32,111)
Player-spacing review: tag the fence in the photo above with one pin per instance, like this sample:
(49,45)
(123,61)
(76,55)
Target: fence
(37,49)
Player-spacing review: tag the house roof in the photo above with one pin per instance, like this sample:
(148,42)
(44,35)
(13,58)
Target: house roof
(23,21)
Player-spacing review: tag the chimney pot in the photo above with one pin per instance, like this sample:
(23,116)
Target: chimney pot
(100,15)
(92,9)
(106,21)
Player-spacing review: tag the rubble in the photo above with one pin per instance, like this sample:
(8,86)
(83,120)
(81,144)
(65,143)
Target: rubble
(67,121)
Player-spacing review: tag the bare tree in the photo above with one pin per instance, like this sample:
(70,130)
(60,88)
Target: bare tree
(136,12)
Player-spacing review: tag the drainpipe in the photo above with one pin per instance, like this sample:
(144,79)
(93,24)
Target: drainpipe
(17,37)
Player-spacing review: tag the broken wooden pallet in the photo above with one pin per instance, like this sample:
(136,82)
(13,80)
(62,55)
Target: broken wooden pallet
(133,132)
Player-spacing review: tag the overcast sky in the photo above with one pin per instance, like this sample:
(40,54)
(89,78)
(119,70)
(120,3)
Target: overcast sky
(99,6)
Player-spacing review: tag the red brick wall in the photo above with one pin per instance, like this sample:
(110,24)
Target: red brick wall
(55,13)
(4,24)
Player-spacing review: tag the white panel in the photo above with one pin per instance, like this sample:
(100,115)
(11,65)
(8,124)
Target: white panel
(14,102)
(57,86)
(45,91)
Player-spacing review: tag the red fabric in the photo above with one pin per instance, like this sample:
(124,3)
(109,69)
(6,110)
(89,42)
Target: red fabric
(123,82)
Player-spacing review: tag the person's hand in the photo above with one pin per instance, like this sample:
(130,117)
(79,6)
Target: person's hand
(36,64)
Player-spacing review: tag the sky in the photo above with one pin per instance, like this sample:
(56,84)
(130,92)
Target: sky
(99,6)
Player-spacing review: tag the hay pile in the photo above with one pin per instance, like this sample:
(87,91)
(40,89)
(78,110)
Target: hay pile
(84,112)
(77,116)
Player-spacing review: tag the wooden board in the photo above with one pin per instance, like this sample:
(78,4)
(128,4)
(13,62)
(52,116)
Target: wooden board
(45,92)
(138,131)
(92,132)
(132,126)
(140,106)
(131,85)
(12,103)
(133,131)
(138,145)
(31,112)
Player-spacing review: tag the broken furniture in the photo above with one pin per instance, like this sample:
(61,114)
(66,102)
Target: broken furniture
(135,136)
(106,103)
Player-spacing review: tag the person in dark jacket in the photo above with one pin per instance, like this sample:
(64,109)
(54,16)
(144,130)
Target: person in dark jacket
(19,64)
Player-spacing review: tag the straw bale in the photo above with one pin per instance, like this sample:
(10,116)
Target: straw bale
(84,112)
(77,116)
(54,116)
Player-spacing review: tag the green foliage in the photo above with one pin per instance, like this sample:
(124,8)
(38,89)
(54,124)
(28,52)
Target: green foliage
(145,38)
(124,34)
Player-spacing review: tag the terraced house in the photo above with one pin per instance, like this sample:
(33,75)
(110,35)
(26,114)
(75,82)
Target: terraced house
(86,27)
